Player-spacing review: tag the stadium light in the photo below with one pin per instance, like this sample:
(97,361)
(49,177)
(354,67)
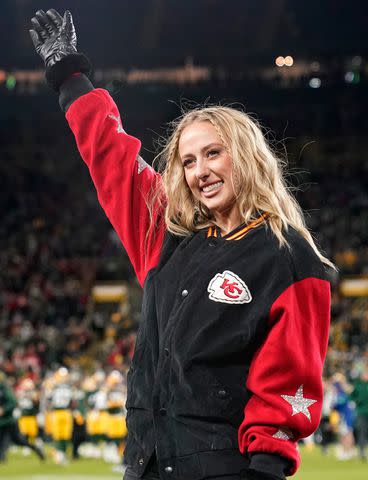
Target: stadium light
(11,81)
(289,61)
(280,61)
(315,66)
(315,82)
(356,61)
(349,77)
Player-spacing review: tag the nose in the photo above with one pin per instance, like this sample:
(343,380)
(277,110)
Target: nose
(202,169)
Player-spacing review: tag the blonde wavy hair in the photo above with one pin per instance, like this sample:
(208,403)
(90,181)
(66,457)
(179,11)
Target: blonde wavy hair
(258,178)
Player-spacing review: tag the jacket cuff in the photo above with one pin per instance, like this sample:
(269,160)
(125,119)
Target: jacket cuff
(73,88)
(270,464)
(64,68)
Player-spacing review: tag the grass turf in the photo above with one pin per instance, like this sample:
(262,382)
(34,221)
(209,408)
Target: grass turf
(315,466)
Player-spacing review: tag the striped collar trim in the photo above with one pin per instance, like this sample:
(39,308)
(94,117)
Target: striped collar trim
(239,232)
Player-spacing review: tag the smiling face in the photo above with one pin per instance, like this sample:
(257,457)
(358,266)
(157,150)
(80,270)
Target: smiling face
(207,167)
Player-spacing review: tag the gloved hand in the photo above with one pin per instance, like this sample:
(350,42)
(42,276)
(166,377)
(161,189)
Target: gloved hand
(53,36)
(55,40)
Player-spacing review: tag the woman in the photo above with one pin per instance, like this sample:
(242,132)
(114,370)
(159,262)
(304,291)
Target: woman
(227,370)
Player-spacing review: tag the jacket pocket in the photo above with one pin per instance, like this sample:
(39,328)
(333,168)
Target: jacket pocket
(202,395)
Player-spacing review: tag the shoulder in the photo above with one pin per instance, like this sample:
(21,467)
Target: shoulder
(297,256)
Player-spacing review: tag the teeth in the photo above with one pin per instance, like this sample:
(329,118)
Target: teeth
(212,187)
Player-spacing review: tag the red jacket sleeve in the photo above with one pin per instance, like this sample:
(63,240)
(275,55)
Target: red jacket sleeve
(285,377)
(122,179)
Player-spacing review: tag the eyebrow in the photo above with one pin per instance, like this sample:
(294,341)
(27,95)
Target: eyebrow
(202,149)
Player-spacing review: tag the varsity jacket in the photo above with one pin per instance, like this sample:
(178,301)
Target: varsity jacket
(227,369)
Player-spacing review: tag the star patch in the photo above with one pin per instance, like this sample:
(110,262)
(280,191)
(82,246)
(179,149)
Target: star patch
(283,435)
(227,287)
(299,403)
(141,164)
(120,128)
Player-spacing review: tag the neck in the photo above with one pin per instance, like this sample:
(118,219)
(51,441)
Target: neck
(227,221)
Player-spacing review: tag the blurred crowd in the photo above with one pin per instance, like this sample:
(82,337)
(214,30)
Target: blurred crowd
(53,248)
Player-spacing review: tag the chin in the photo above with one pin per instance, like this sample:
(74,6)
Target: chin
(217,207)
(221,207)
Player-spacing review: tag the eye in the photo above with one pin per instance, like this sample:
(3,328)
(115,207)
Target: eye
(212,153)
(187,162)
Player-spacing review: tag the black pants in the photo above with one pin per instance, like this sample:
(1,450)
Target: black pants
(151,473)
(78,437)
(10,434)
(129,475)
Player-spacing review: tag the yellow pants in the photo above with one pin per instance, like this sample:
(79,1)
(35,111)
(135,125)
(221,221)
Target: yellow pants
(103,424)
(116,426)
(62,425)
(28,426)
(48,423)
(92,422)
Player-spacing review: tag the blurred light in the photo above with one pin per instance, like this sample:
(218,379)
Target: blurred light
(352,77)
(289,61)
(11,82)
(315,66)
(356,78)
(349,77)
(2,76)
(280,61)
(315,82)
(356,61)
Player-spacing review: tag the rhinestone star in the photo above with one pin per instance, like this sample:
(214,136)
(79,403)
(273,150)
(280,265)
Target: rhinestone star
(299,403)
(282,435)
(141,164)
(120,128)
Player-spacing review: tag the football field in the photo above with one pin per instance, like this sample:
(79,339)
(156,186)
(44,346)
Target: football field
(314,467)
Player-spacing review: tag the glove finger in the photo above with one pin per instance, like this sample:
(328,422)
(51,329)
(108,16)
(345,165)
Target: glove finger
(39,29)
(55,17)
(37,42)
(68,25)
(44,21)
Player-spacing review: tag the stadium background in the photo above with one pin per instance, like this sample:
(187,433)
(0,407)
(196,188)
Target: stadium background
(68,295)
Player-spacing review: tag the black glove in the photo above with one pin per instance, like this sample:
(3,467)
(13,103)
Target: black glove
(55,41)
(53,36)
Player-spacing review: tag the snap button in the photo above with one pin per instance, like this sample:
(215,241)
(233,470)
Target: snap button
(141,461)
(184,293)
(168,469)
(222,393)
(163,411)
(167,353)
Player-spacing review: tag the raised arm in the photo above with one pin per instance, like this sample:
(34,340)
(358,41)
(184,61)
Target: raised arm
(124,182)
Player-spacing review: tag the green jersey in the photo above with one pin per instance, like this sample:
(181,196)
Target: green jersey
(115,401)
(61,397)
(7,405)
(28,405)
(360,396)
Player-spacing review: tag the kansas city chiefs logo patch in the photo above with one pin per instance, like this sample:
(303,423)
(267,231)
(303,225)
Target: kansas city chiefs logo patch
(227,287)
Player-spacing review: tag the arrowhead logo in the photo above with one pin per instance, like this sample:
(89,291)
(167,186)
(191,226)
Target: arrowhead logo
(227,287)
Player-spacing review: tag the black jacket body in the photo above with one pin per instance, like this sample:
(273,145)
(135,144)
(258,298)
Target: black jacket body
(187,383)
